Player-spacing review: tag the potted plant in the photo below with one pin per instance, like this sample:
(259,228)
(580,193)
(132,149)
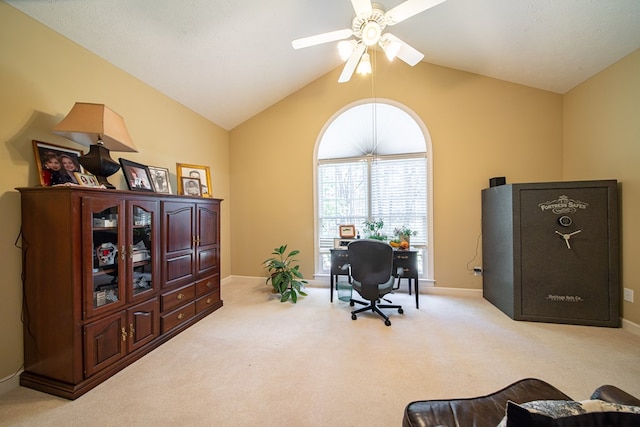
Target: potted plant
(373,229)
(285,277)
(402,237)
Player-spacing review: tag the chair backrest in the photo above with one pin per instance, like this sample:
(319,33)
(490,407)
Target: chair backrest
(371,261)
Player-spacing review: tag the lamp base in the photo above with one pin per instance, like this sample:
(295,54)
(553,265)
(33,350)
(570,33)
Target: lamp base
(99,162)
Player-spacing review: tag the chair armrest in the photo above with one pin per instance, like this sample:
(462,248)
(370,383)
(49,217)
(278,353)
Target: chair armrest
(485,410)
(613,394)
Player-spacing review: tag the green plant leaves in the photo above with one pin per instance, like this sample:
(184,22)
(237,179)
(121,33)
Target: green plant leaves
(283,276)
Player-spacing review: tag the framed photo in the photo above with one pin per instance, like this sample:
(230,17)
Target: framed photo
(160,179)
(347,231)
(56,165)
(194,171)
(191,186)
(87,180)
(341,243)
(137,175)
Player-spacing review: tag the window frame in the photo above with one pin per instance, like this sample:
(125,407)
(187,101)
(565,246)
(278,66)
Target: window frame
(427,251)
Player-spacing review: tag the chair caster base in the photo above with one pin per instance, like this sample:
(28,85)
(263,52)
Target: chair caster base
(387,322)
(401,311)
(354,317)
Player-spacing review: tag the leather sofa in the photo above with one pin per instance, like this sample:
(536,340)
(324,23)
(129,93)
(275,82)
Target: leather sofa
(486,411)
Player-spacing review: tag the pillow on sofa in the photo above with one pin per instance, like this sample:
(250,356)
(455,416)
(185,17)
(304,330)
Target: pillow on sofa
(588,413)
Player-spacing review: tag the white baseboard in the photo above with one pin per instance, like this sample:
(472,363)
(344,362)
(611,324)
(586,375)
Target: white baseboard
(629,326)
(10,382)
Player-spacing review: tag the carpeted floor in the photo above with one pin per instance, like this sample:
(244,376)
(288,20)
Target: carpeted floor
(259,362)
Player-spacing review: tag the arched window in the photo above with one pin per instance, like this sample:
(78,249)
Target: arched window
(372,162)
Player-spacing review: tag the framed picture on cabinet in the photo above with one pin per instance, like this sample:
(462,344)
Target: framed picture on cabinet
(87,180)
(160,179)
(56,164)
(196,172)
(137,175)
(347,231)
(191,186)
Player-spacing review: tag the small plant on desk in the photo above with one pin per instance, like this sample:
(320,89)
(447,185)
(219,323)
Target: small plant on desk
(402,237)
(373,229)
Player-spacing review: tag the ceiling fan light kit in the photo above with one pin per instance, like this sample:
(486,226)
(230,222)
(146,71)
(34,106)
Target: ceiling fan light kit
(364,67)
(346,48)
(367,27)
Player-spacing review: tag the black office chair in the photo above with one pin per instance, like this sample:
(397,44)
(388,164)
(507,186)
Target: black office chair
(371,268)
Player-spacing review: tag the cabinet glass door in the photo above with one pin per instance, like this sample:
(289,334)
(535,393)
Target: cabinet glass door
(142,253)
(104,246)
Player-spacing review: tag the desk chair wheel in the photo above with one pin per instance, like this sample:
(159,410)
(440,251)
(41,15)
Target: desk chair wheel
(351,303)
(354,317)
(401,311)
(387,322)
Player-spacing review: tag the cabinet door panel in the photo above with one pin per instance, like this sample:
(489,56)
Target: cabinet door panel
(208,255)
(105,343)
(103,250)
(142,254)
(178,225)
(178,270)
(208,224)
(207,261)
(144,323)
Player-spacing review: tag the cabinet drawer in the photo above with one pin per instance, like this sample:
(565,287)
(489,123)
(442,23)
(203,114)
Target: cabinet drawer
(207,285)
(207,301)
(173,299)
(181,315)
(339,258)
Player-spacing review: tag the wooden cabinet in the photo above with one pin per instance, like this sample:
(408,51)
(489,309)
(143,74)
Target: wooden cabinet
(190,261)
(108,276)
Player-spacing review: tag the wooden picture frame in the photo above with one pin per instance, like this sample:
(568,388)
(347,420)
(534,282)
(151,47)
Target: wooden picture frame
(195,171)
(137,176)
(347,231)
(160,179)
(87,180)
(191,186)
(48,156)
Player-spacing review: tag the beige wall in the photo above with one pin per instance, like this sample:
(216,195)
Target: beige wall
(480,128)
(602,141)
(41,75)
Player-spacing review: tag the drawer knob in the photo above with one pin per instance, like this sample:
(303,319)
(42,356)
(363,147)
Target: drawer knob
(208,300)
(209,284)
(180,316)
(180,295)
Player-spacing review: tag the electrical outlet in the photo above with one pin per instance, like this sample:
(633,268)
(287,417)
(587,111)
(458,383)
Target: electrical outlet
(628,294)
(477,271)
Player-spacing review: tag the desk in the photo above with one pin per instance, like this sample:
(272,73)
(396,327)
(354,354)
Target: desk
(405,259)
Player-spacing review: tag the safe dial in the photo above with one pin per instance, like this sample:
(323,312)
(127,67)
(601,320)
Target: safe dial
(564,221)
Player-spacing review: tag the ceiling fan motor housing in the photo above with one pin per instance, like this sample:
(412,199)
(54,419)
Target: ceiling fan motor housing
(369,28)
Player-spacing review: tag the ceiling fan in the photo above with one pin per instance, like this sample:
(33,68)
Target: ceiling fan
(367,26)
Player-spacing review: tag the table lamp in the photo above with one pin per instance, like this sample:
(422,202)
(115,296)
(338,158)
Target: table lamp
(101,129)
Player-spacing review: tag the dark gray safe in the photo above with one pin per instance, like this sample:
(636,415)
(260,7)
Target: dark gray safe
(550,251)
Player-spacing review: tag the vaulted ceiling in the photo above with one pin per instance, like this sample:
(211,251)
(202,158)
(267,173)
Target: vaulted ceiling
(230,59)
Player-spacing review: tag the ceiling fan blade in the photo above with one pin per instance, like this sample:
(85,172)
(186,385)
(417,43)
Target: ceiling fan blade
(322,38)
(362,7)
(351,64)
(400,49)
(408,9)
